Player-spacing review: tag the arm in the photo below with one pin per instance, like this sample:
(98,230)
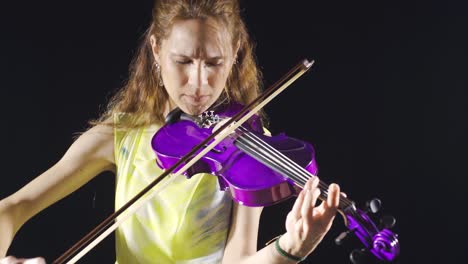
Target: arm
(306,226)
(91,154)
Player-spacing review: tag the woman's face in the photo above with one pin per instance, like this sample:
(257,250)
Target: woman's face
(195,61)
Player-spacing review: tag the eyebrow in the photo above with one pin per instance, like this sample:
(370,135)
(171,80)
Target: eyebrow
(187,56)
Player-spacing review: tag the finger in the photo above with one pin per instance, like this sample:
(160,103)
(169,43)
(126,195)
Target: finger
(316,191)
(8,260)
(315,196)
(309,218)
(333,199)
(310,186)
(35,261)
(304,210)
(310,200)
(296,210)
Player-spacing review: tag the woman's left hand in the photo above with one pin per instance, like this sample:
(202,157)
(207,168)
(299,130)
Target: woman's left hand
(307,224)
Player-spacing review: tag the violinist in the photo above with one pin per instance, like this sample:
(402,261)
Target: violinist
(194,55)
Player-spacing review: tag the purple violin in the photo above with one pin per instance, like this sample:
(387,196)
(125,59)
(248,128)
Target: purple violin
(257,169)
(260,170)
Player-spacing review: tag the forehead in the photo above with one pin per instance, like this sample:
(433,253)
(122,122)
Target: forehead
(198,38)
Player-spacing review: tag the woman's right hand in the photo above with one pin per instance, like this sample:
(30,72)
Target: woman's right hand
(13,260)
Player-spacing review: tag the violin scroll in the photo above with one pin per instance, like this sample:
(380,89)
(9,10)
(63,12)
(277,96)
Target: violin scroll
(380,242)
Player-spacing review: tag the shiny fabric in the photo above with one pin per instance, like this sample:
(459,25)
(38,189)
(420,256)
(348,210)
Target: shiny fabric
(186,223)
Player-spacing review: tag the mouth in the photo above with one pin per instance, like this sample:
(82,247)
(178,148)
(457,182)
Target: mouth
(196,99)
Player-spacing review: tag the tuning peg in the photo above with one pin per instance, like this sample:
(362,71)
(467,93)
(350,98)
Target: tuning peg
(358,256)
(342,237)
(387,221)
(373,205)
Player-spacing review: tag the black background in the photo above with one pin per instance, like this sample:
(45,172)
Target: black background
(384,105)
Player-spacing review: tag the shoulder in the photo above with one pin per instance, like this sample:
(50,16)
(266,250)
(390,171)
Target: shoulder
(96,143)
(98,136)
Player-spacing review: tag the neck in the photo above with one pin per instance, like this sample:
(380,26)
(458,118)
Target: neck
(169,107)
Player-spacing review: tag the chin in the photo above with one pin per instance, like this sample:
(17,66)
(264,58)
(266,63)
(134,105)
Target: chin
(194,109)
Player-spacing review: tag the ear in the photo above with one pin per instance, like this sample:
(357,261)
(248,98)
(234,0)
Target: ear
(154,48)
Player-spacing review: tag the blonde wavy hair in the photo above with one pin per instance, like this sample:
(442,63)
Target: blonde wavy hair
(144,98)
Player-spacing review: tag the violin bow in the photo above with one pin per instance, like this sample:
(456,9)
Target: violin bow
(113,221)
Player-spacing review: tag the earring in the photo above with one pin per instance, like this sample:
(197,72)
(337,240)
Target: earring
(158,73)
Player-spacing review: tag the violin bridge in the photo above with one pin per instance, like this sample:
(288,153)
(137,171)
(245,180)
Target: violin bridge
(208,119)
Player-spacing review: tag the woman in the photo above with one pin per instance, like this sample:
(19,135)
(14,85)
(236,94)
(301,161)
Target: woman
(195,54)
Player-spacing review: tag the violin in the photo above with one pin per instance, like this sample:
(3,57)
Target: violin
(262,170)
(230,144)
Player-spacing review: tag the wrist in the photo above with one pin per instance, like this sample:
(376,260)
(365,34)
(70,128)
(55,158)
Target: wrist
(286,248)
(291,246)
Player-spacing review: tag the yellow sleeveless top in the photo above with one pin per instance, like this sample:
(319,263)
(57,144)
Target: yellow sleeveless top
(185,223)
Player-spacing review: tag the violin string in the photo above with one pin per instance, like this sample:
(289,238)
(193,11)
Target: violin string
(267,160)
(306,174)
(301,173)
(256,142)
(276,164)
(259,144)
(296,172)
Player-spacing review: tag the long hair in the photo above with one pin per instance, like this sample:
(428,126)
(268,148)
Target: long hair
(144,98)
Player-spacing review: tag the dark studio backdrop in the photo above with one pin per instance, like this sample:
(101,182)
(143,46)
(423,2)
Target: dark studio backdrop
(384,106)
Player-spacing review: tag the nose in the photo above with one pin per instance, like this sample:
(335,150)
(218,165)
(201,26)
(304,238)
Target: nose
(198,78)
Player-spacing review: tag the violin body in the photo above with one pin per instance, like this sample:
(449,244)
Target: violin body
(251,183)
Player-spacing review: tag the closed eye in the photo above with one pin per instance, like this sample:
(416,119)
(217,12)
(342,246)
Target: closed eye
(214,63)
(183,61)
